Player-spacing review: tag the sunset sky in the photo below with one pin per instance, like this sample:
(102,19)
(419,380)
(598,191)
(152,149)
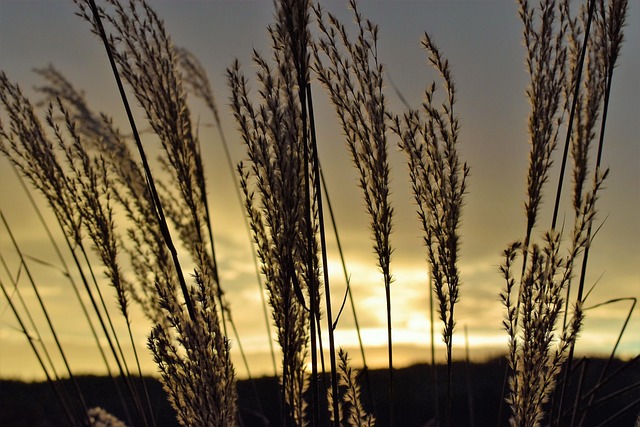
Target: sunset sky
(482,40)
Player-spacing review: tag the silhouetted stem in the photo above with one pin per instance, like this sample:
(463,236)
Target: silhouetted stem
(365,367)
(47,317)
(67,274)
(147,170)
(574,103)
(72,420)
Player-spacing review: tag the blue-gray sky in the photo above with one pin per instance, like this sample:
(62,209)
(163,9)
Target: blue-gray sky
(482,39)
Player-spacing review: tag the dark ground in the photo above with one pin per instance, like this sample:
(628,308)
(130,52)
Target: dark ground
(35,404)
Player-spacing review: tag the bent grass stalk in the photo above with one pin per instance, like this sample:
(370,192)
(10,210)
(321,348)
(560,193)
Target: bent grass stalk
(591,394)
(33,336)
(95,19)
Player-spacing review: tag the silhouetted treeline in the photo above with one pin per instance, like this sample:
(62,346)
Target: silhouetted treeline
(35,405)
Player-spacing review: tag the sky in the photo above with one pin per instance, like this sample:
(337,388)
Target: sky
(482,40)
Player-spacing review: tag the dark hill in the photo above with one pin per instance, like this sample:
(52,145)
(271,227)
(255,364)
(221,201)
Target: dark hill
(35,404)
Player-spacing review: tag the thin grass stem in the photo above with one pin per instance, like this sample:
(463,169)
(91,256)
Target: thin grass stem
(468,377)
(613,351)
(66,272)
(147,170)
(238,192)
(42,305)
(36,331)
(54,384)
(119,356)
(613,417)
(323,245)
(347,278)
(583,371)
(574,102)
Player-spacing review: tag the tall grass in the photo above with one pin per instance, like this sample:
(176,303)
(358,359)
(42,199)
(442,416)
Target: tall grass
(540,341)
(353,76)
(145,225)
(438,178)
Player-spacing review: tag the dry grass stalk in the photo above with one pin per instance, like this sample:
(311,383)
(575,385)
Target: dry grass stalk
(283,214)
(603,46)
(73,193)
(544,39)
(539,344)
(148,62)
(152,72)
(351,410)
(88,177)
(536,350)
(33,155)
(540,291)
(352,75)
(438,178)
(144,243)
(589,97)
